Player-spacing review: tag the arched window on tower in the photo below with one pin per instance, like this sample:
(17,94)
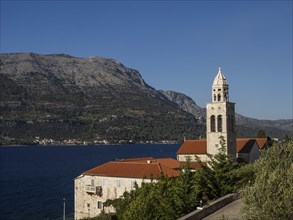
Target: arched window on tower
(225,98)
(220,123)
(215,98)
(219,97)
(213,123)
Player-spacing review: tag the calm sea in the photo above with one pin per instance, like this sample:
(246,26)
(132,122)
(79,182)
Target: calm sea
(35,179)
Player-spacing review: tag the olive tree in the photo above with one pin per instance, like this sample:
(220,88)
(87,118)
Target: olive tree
(271,194)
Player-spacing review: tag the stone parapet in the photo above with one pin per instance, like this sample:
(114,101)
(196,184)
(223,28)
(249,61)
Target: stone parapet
(209,209)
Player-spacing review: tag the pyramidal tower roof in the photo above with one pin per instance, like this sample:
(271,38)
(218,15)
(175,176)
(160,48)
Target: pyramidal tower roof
(220,78)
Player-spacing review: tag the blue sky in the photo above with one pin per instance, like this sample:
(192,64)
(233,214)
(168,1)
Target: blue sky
(176,45)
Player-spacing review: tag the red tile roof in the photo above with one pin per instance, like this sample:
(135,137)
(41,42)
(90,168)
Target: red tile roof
(169,162)
(262,142)
(193,147)
(245,145)
(137,168)
(141,159)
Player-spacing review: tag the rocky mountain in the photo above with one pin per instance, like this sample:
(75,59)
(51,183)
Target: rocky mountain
(284,124)
(246,127)
(185,103)
(63,97)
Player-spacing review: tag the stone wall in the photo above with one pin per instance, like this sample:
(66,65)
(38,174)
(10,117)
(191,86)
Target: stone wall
(192,157)
(209,209)
(90,204)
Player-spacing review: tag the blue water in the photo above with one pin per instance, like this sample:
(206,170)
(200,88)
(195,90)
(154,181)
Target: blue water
(35,179)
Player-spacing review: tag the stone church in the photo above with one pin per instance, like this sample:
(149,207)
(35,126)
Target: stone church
(93,187)
(220,123)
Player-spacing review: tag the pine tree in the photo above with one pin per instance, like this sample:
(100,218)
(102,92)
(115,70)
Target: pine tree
(219,177)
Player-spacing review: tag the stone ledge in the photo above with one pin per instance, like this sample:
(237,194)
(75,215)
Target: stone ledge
(209,209)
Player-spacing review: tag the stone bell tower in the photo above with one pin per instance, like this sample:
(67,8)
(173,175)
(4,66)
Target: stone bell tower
(220,119)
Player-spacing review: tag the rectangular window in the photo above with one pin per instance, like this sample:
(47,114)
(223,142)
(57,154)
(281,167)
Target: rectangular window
(92,182)
(133,183)
(100,205)
(118,183)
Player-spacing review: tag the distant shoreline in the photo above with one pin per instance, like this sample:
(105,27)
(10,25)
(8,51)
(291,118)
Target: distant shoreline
(80,145)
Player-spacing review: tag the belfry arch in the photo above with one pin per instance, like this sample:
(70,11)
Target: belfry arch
(220,117)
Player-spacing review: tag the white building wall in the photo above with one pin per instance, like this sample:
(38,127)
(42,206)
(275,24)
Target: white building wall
(227,111)
(183,157)
(254,153)
(244,156)
(86,203)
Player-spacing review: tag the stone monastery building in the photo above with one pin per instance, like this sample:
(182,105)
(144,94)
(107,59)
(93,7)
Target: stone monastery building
(220,122)
(110,180)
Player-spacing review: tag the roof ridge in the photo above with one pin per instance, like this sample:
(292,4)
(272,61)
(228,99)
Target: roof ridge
(133,162)
(160,168)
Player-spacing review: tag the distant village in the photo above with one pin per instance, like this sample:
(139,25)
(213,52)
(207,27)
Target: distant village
(49,141)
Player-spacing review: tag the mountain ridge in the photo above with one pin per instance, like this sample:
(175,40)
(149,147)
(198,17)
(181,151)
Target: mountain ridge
(274,127)
(63,97)
(60,96)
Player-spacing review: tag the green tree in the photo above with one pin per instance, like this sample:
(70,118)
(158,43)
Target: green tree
(287,138)
(171,198)
(184,191)
(220,177)
(261,133)
(271,195)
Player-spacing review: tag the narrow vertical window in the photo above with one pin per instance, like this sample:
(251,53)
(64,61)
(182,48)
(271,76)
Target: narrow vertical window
(118,183)
(92,182)
(219,97)
(215,98)
(213,123)
(220,124)
(100,205)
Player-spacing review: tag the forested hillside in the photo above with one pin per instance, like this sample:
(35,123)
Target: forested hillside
(61,97)
(64,97)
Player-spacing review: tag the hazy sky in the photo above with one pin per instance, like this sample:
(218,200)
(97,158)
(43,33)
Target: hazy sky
(176,45)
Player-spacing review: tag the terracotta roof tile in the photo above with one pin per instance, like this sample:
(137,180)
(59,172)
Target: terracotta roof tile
(138,168)
(169,162)
(193,147)
(244,145)
(136,159)
(262,142)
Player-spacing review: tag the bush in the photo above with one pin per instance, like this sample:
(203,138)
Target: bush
(271,195)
